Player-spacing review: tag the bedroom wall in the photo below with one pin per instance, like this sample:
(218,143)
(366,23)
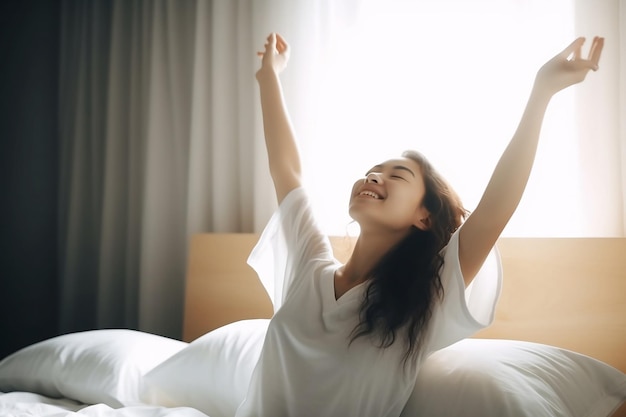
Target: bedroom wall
(29,61)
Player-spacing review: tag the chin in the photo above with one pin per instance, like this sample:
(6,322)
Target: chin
(359,216)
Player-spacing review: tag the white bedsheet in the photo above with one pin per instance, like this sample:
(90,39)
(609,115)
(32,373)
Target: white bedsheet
(18,404)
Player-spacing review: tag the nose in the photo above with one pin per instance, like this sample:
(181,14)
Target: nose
(375,177)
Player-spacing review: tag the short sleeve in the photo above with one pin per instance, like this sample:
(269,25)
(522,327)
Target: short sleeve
(290,239)
(464,311)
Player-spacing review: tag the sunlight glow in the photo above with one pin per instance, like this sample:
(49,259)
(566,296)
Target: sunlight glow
(450,79)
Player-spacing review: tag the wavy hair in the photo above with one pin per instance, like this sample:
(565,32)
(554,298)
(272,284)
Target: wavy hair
(405,282)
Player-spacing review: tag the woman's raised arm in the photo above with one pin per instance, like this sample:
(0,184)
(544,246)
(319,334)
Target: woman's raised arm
(504,191)
(282,150)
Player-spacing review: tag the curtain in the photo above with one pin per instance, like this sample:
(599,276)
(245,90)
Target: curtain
(621,105)
(601,116)
(161,132)
(157,143)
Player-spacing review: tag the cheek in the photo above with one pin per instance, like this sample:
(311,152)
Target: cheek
(409,203)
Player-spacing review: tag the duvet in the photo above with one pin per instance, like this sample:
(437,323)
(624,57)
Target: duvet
(30,404)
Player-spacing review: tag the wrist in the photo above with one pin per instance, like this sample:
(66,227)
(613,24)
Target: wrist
(266,75)
(540,93)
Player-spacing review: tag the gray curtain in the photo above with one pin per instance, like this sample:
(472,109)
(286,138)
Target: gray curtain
(157,142)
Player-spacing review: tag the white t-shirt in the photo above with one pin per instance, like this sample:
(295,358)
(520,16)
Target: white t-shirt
(308,367)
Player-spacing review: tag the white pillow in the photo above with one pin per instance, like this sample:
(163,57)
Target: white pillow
(472,378)
(97,366)
(213,373)
(507,378)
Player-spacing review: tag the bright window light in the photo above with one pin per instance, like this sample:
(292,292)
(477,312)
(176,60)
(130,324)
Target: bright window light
(450,79)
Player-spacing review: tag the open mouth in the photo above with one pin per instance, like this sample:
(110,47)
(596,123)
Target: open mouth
(370,194)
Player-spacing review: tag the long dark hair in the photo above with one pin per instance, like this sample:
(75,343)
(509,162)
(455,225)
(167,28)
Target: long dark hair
(404,284)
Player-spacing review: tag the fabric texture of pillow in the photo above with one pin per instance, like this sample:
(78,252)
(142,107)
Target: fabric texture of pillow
(472,378)
(92,367)
(507,378)
(213,373)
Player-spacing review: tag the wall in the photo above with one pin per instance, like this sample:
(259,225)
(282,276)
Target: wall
(29,61)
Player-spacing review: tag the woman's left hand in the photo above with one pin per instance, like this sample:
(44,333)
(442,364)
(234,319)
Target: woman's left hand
(568,67)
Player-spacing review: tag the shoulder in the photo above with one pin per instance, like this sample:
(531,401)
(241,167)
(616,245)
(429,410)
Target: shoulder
(295,198)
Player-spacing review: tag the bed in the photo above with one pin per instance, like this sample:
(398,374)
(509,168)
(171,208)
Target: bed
(557,346)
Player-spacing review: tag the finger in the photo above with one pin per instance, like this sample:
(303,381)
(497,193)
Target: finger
(271,41)
(268,44)
(282,44)
(582,65)
(572,47)
(578,50)
(283,48)
(594,54)
(594,45)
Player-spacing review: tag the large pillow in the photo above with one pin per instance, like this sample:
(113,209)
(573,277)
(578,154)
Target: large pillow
(92,367)
(212,374)
(472,378)
(506,378)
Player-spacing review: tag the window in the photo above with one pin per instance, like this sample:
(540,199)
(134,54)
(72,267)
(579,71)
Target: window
(447,78)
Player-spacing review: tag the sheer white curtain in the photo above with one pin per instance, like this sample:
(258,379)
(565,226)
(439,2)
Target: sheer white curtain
(601,122)
(161,127)
(450,79)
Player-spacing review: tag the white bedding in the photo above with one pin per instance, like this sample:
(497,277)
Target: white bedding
(125,373)
(14,404)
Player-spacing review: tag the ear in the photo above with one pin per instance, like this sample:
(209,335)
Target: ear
(422,219)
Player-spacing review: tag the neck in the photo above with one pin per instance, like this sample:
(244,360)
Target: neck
(369,249)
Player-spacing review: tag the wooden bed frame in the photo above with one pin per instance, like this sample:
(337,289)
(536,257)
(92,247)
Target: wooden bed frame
(566,292)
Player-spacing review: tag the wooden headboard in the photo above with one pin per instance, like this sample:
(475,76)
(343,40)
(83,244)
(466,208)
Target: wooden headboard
(566,292)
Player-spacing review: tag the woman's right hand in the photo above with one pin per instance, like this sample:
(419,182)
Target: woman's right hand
(275,57)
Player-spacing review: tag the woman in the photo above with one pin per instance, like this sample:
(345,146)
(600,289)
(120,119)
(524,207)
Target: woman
(348,340)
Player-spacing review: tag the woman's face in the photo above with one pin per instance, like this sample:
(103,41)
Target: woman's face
(390,196)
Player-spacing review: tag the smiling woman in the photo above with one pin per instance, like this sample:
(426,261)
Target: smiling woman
(420,276)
